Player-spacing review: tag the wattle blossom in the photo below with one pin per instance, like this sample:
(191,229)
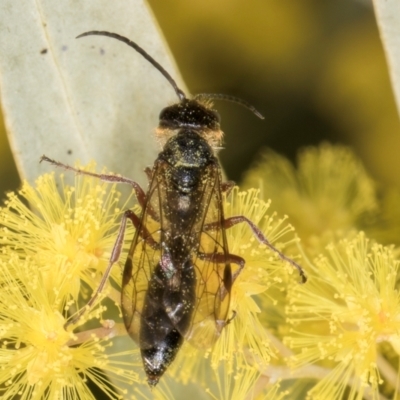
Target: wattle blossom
(55,246)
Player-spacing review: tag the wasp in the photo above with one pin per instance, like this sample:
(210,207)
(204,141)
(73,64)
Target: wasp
(179,273)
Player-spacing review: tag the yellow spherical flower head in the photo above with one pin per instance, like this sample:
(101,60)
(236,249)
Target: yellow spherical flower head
(68,230)
(328,191)
(349,307)
(385,226)
(39,359)
(70,234)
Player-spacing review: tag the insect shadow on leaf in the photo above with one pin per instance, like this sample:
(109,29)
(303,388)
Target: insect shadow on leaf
(178,275)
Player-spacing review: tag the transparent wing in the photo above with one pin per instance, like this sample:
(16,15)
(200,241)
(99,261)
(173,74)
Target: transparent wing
(213,270)
(144,255)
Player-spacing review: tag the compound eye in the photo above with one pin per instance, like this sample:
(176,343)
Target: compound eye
(165,112)
(170,117)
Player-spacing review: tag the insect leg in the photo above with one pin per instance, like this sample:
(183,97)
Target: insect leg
(115,253)
(140,195)
(229,222)
(139,192)
(226,187)
(222,258)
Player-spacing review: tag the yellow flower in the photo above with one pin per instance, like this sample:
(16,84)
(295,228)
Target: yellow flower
(235,381)
(349,306)
(329,190)
(69,232)
(385,226)
(52,242)
(39,359)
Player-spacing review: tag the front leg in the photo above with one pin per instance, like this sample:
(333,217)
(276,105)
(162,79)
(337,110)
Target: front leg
(139,192)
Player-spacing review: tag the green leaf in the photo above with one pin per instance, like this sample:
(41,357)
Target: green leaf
(387,14)
(91,98)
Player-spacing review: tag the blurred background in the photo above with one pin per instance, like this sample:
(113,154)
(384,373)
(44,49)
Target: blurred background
(315,69)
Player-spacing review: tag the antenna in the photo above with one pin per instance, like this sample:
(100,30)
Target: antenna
(232,99)
(181,95)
